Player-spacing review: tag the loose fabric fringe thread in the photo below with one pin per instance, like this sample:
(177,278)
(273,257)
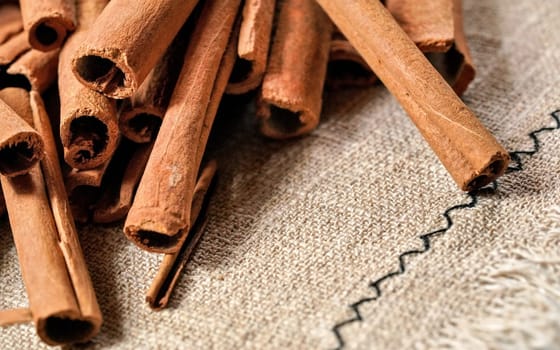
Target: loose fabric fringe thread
(525,294)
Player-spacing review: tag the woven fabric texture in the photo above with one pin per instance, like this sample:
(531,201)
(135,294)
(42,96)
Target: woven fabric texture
(355,236)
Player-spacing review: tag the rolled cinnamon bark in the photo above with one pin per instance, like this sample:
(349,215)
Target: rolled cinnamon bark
(460,56)
(470,153)
(291,96)
(38,68)
(115,202)
(47,22)
(252,47)
(140,117)
(83,188)
(61,296)
(346,67)
(114,61)
(159,217)
(173,264)
(88,120)
(15,316)
(429,23)
(10,21)
(13,48)
(21,147)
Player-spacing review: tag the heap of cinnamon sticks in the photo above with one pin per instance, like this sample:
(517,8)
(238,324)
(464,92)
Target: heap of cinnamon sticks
(137,88)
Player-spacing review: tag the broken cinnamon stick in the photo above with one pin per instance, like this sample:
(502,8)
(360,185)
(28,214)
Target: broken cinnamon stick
(114,61)
(470,153)
(291,96)
(61,297)
(252,47)
(115,202)
(173,264)
(88,120)
(159,217)
(13,48)
(429,23)
(21,147)
(140,117)
(10,21)
(47,22)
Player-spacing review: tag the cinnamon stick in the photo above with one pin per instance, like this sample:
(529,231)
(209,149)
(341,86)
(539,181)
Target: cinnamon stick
(61,297)
(173,264)
(37,67)
(114,61)
(429,23)
(291,96)
(470,153)
(83,187)
(88,120)
(140,117)
(253,46)
(15,316)
(13,48)
(159,217)
(460,56)
(21,147)
(47,22)
(10,21)
(115,202)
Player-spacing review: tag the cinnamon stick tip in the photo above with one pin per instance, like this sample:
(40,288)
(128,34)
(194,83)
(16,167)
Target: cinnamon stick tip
(282,123)
(67,329)
(496,167)
(87,139)
(140,124)
(49,33)
(152,235)
(105,71)
(20,153)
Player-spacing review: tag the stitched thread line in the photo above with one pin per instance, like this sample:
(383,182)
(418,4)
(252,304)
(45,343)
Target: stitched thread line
(516,158)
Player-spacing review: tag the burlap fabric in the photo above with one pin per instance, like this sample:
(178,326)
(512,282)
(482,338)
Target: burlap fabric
(355,236)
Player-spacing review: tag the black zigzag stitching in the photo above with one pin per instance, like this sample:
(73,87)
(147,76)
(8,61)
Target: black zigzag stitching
(517,160)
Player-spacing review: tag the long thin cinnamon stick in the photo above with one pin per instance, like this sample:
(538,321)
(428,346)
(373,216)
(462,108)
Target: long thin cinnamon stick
(253,46)
(173,264)
(10,21)
(21,147)
(159,218)
(291,96)
(47,22)
(15,316)
(13,48)
(114,61)
(115,202)
(470,153)
(61,296)
(68,236)
(429,23)
(88,120)
(140,117)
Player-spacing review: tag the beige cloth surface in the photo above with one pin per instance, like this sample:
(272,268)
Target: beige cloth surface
(299,231)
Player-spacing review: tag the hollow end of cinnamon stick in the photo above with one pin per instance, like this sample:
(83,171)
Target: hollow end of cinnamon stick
(496,167)
(282,123)
(106,72)
(86,145)
(140,124)
(66,328)
(19,153)
(151,239)
(49,33)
